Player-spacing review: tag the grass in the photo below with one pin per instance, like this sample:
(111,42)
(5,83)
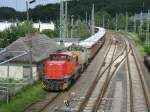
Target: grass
(24,98)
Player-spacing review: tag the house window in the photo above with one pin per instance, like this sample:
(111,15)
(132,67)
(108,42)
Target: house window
(26,72)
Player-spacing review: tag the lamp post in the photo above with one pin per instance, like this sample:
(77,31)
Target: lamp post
(29,38)
(27,10)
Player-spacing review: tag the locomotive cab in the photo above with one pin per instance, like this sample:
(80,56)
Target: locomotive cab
(59,66)
(58,69)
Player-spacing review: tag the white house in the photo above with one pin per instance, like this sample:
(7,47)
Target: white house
(44,26)
(41,26)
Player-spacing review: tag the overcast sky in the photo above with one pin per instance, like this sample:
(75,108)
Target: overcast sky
(20,4)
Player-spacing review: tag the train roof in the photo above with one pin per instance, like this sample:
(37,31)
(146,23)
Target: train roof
(89,42)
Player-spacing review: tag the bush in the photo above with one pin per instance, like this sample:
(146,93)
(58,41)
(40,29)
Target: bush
(14,32)
(51,33)
(80,30)
(147,50)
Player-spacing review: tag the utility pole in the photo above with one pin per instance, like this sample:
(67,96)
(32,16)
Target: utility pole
(116,22)
(27,9)
(72,23)
(103,21)
(29,39)
(134,24)
(93,21)
(126,27)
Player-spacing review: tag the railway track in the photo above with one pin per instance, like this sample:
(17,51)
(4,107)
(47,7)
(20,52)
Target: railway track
(84,105)
(139,100)
(98,103)
(130,84)
(94,99)
(89,93)
(39,106)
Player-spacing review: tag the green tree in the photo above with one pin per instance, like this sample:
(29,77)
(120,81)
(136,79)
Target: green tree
(80,30)
(51,33)
(14,32)
(99,17)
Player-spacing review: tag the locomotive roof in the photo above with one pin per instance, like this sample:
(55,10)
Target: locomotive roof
(42,46)
(63,54)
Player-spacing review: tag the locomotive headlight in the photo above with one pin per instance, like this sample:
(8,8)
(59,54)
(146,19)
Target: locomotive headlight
(66,76)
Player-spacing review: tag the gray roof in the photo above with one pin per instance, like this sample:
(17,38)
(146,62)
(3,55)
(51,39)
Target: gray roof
(42,46)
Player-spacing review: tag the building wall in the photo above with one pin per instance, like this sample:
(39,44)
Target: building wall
(16,71)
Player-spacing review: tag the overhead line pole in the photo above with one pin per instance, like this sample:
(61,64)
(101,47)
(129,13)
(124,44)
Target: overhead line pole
(86,19)
(93,21)
(116,22)
(66,19)
(141,23)
(126,27)
(103,21)
(30,41)
(134,24)
(72,23)
(147,31)
(62,33)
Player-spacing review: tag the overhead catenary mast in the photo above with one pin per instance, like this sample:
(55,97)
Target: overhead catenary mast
(134,24)
(147,31)
(93,21)
(86,18)
(89,21)
(126,26)
(141,23)
(116,22)
(103,21)
(61,21)
(66,20)
(72,23)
